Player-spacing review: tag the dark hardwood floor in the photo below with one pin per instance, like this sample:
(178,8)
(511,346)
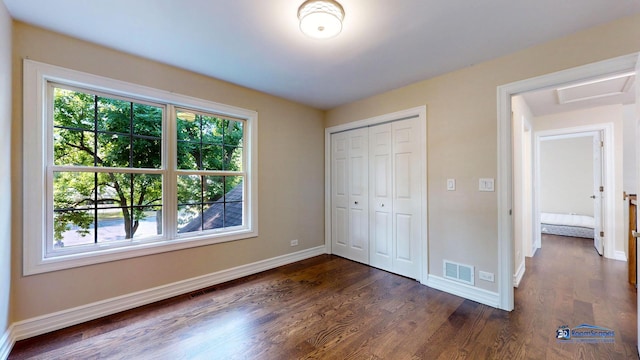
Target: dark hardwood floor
(331,308)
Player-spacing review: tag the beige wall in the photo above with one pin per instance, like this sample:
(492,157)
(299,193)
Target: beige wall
(462,135)
(566,176)
(5,168)
(599,115)
(291,180)
(630,165)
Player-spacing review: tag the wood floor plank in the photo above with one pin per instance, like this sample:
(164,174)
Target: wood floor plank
(327,307)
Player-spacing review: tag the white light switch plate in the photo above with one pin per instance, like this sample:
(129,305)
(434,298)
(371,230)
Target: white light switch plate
(451,184)
(486,184)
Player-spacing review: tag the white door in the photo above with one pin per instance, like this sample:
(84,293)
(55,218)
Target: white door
(349,195)
(395,197)
(359,195)
(598,193)
(381,216)
(339,194)
(406,197)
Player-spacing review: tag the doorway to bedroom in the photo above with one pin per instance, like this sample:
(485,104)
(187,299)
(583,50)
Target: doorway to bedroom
(570,186)
(564,154)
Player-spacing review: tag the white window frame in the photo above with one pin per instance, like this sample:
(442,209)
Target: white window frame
(37,140)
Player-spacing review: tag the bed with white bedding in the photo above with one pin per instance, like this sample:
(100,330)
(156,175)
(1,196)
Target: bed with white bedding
(567,225)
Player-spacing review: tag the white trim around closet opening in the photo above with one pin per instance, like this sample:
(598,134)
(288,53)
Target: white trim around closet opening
(421,113)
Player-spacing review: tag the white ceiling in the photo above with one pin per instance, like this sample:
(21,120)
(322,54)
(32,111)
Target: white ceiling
(256,43)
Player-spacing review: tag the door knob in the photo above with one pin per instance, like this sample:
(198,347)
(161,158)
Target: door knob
(355,202)
(635,234)
(592,196)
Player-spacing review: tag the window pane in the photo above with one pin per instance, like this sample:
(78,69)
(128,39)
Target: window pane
(121,206)
(189,219)
(212,157)
(189,189)
(114,115)
(209,142)
(188,155)
(213,216)
(147,189)
(233,158)
(147,154)
(149,222)
(188,126)
(234,188)
(212,129)
(233,214)
(233,141)
(111,225)
(233,133)
(147,120)
(73,190)
(71,147)
(234,201)
(73,109)
(73,228)
(77,122)
(222,204)
(113,150)
(114,190)
(214,188)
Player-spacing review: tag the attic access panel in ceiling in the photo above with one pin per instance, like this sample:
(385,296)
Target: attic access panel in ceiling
(594,89)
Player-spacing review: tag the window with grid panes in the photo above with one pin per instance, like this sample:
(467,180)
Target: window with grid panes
(130,171)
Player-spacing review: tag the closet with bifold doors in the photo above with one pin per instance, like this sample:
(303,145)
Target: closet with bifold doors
(376,210)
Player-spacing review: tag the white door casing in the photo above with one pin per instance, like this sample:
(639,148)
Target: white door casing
(598,192)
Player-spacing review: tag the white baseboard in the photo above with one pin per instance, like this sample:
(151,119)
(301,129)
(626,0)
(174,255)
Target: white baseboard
(620,255)
(6,343)
(482,296)
(537,246)
(517,277)
(61,319)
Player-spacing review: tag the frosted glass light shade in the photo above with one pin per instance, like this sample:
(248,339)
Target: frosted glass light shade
(321,19)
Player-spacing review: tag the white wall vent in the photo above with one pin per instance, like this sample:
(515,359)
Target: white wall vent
(458,272)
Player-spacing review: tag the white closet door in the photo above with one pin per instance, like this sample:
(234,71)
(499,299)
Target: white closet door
(381,215)
(359,195)
(349,195)
(339,194)
(406,197)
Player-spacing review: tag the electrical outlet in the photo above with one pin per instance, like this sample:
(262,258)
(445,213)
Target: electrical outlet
(294,242)
(486,276)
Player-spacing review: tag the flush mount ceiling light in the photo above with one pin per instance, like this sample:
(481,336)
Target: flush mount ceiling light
(321,19)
